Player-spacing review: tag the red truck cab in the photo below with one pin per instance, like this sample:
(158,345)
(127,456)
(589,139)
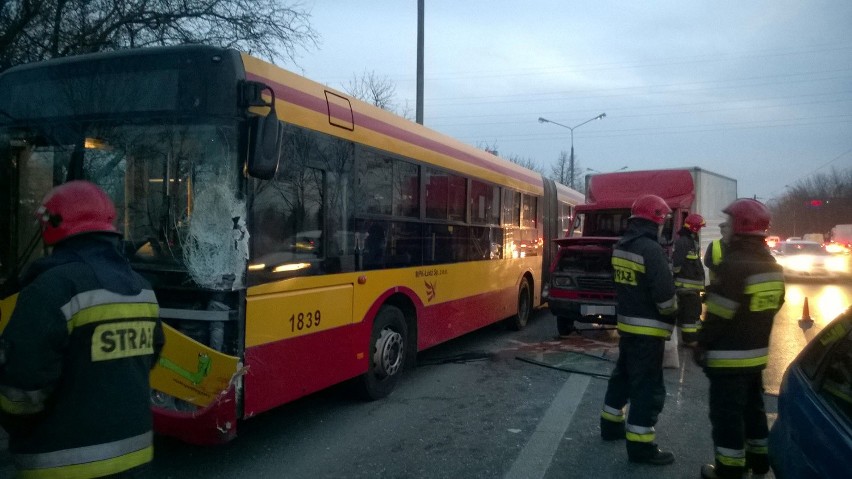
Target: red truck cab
(581,287)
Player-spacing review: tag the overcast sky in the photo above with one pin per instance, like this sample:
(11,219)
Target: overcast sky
(760,91)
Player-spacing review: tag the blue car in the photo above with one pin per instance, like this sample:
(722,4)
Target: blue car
(812,436)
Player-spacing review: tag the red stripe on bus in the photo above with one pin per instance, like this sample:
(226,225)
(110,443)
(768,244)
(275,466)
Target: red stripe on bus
(452,319)
(283,371)
(320,105)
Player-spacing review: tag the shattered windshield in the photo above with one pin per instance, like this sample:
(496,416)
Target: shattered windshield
(175,187)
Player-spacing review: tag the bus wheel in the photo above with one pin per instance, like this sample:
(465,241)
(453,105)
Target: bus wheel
(387,353)
(518,321)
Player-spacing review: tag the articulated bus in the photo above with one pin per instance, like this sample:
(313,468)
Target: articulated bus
(296,237)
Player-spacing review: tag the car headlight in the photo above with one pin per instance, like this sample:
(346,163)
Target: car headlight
(563,281)
(837,264)
(799,263)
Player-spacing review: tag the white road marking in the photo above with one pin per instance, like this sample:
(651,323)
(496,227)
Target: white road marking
(536,456)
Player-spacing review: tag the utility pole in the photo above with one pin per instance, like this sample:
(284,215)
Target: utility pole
(419,107)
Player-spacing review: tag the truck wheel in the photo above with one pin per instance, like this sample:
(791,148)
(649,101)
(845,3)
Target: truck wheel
(387,353)
(519,321)
(565,325)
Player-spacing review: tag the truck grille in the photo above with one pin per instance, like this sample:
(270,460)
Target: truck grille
(595,284)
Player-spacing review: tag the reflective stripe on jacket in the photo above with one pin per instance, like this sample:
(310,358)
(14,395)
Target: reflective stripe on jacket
(713,257)
(686,262)
(644,287)
(88,461)
(741,306)
(84,334)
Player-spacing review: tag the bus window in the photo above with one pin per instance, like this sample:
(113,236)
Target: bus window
(511,208)
(286,217)
(406,248)
(485,243)
(375,245)
(445,195)
(406,189)
(445,243)
(375,178)
(530,211)
(484,203)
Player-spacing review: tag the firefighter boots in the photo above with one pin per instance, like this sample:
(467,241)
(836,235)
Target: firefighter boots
(651,454)
(709,471)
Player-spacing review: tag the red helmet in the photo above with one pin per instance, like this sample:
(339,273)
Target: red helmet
(74,208)
(694,222)
(650,207)
(748,217)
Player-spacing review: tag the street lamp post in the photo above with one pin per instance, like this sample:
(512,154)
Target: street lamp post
(571,159)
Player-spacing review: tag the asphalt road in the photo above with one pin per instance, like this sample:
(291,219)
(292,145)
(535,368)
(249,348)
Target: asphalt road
(492,404)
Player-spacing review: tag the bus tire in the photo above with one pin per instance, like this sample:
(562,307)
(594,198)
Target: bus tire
(387,354)
(519,320)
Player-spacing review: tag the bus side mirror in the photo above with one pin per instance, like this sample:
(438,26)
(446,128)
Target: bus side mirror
(264,146)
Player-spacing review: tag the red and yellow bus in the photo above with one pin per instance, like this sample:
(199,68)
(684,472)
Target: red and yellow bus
(296,237)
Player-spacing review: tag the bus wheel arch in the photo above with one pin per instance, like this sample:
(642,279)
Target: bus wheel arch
(525,304)
(405,304)
(390,350)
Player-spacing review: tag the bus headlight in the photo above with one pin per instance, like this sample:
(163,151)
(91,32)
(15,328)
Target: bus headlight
(563,281)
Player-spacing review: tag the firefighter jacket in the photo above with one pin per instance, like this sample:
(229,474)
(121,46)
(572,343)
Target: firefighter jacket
(740,308)
(713,257)
(644,289)
(686,262)
(76,356)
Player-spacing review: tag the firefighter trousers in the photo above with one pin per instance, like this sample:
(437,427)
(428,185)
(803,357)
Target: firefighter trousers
(638,379)
(738,418)
(688,314)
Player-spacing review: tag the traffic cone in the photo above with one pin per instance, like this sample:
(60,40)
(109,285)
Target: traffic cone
(806,322)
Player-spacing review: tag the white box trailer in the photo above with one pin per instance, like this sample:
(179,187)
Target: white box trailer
(713,192)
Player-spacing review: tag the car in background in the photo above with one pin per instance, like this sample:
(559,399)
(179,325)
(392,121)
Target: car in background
(773,241)
(809,260)
(812,434)
(305,241)
(837,248)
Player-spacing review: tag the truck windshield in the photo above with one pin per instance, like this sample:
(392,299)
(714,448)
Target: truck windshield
(175,187)
(606,223)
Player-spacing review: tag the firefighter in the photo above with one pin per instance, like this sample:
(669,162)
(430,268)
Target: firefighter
(733,343)
(76,354)
(646,305)
(716,250)
(689,277)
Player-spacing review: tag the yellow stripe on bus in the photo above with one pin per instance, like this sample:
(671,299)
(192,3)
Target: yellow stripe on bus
(360,134)
(273,317)
(272,310)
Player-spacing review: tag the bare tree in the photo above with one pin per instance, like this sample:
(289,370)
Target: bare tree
(814,204)
(561,172)
(32,30)
(527,163)
(489,147)
(373,89)
(379,91)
